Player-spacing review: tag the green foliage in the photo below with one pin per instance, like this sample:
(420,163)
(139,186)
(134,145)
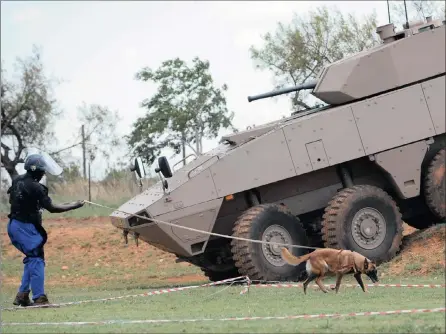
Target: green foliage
(416,10)
(100,129)
(186,108)
(71,173)
(296,52)
(27,110)
(100,134)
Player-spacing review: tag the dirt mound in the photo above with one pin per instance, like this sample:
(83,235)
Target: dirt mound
(91,251)
(422,253)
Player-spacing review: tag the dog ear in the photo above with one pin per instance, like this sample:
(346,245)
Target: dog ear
(366,264)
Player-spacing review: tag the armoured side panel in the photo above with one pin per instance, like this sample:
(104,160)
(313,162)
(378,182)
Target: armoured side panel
(333,131)
(247,135)
(199,189)
(386,67)
(403,164)
(393,119)
(434,92)
(317,154)
(264,160)
(182,175)
(136,205)
(201,216)
(203,221)
(312,200)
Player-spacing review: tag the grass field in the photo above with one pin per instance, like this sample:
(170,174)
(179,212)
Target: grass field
(217,302)
(87,259)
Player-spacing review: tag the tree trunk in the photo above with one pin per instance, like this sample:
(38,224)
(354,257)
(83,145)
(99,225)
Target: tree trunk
(10,168)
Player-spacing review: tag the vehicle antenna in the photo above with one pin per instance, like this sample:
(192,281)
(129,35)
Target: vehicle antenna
(388,10)
(407,19)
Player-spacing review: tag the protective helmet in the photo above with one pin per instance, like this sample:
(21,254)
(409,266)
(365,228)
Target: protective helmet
(42,162)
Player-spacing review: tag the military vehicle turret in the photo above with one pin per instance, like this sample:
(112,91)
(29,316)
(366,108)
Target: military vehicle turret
(345,175)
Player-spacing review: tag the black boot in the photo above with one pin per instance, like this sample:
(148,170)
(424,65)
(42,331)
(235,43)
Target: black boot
(42,300)
(22,299)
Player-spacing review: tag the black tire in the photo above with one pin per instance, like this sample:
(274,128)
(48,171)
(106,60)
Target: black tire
(250,258)
(215,276)
(338,229)
(435,184)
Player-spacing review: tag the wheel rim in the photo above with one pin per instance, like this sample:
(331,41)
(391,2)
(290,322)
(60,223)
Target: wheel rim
(272,253)
(368,228)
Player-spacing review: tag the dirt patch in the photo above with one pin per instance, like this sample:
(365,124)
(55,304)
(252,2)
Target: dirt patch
(91,251)
(407,230)
(423,253)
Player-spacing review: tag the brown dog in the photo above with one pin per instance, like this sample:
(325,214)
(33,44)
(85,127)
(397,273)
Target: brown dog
(341,262)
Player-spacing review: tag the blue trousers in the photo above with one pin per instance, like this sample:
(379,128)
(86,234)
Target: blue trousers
(27,239)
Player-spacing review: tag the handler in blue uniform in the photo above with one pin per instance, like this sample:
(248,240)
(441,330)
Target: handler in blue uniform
(28,198)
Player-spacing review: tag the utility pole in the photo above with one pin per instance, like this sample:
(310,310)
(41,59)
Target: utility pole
(89,181)
(84,152)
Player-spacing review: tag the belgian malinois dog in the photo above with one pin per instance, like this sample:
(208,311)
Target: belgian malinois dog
(340,262)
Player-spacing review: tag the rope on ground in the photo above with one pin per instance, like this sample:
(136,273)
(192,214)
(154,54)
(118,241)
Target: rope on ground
(200,231)
(285,317)
(241,279)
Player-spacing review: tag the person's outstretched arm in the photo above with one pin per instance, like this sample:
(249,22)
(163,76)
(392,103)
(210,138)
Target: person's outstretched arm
(47,203)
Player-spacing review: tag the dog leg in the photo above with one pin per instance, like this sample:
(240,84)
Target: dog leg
(319,283)
(360,282)
(309,279)
(338,281)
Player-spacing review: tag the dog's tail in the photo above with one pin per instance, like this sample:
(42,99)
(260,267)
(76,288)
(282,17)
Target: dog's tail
(294,260)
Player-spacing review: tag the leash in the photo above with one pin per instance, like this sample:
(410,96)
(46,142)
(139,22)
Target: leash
(200,231)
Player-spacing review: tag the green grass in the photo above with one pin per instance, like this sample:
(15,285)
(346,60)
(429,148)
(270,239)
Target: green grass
(218,302)
(87,211)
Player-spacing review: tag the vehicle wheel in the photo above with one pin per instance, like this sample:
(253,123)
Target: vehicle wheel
(434,185)
(215,276)
(272,223)
(365,219)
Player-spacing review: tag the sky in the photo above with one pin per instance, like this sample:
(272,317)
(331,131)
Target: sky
(97,47)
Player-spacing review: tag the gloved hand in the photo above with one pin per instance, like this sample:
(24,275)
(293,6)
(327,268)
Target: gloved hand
(76,204)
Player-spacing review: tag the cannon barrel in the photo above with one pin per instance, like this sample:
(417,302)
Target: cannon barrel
(308,85)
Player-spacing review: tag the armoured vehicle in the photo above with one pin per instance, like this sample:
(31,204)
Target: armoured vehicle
(346,175)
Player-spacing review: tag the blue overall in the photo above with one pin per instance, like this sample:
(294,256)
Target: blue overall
(27,239)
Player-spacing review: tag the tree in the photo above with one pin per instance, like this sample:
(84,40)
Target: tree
(416,10)
(99,136)
(297,52)
(27,110)
(71,172)
(186,108)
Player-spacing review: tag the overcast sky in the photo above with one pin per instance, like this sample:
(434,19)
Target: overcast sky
(97,47)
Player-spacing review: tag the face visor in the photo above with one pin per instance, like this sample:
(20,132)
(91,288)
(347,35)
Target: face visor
(43,162)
